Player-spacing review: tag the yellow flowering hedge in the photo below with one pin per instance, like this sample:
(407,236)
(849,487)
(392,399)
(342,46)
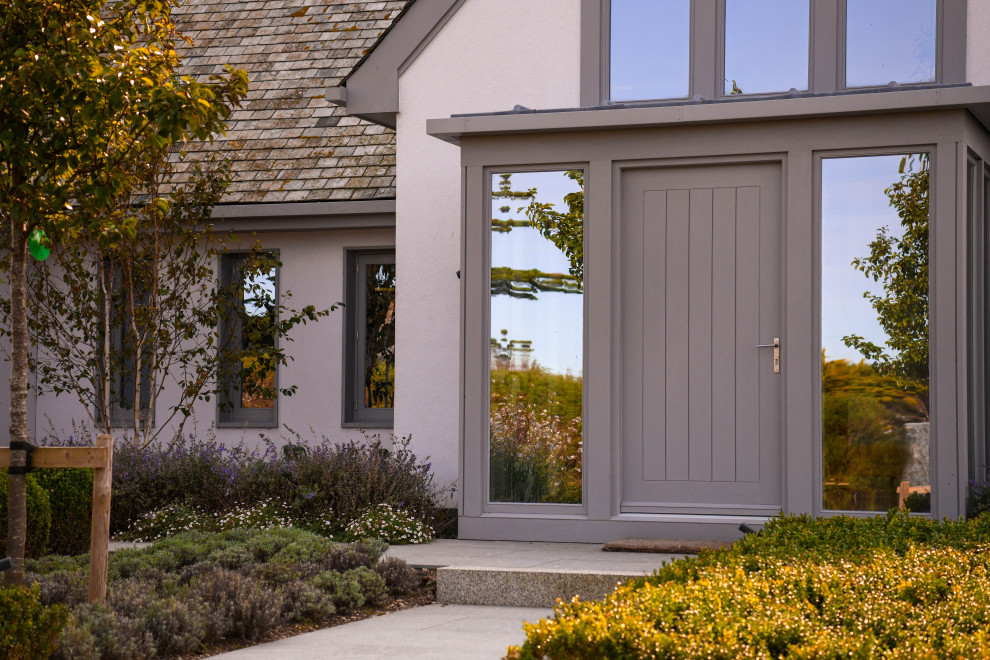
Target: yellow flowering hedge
(894,587)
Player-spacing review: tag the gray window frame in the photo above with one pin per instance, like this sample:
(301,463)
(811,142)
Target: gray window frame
(354,413)
(827,64)
(230,413)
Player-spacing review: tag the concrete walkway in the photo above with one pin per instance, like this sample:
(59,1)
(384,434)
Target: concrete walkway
(434,632)
(469,631)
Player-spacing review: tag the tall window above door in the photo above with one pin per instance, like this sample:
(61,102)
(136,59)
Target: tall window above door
(650,49)
(690,50)
(890,41)
(765,46)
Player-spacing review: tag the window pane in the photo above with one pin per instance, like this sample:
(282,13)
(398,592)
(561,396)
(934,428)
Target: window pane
(875,394)
(537,337)
(379,350)
(766,46)
(650,49)
(258,339)
(890,40)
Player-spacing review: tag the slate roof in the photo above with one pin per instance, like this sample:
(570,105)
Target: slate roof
(286,142)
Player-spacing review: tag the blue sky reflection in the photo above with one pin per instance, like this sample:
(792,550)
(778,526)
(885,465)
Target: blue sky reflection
(554,322)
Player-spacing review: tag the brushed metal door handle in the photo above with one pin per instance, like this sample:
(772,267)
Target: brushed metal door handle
(776,353)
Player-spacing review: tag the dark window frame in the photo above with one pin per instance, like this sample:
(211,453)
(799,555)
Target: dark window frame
(354,412)
(826,57)
(230,413)
(121,417)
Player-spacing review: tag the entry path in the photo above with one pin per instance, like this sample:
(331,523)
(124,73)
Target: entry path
(473,632)
(433,632)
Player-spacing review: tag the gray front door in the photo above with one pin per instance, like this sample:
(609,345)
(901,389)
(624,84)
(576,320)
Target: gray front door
(701,289)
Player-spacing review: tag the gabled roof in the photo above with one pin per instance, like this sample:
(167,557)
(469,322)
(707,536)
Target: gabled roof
(371,89)
(286,141)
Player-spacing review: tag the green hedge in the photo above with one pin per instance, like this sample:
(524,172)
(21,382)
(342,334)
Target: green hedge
(70,495)
(883,587)
(28,629)
(39,516)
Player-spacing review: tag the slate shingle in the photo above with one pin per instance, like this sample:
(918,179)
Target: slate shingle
(286,142)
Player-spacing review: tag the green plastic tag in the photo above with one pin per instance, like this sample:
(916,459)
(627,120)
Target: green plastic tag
(36,247)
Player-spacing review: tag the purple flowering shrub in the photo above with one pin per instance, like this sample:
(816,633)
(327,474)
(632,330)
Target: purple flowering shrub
(324,485)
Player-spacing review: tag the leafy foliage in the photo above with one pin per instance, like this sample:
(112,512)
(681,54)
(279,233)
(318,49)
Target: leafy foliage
(28,629)
(39,519)
(881,587)
(901,265)
(70,495)
(563,229)
(320,485)
(197,588)
(90,97)
(536,447)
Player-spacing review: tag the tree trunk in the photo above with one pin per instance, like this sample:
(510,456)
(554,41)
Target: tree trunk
(17,483)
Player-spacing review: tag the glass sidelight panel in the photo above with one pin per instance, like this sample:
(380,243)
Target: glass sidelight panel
(537,338)
(874,324)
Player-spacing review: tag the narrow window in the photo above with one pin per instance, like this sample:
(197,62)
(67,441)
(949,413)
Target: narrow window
(370,357)
(649,49)
(537,337)
(874,325)
(129,338)
(890,41)
(766,46)
(251,377)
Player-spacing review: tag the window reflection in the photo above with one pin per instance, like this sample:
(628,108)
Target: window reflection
(537,319)
(379,346)
(875,384)
(650,49)
(257,378)
(766,46)
(890,40)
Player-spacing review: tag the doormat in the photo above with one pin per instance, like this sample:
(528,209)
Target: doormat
(662,545)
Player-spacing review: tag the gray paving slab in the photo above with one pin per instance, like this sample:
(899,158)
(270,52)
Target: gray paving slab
(432,632)
(513,554)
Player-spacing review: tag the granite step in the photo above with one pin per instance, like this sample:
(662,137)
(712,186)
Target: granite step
(521,574)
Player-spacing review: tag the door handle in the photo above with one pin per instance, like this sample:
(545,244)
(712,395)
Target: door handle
(776,353)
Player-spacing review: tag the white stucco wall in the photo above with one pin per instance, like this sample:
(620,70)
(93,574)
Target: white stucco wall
(978,42)
(313,270)
(490,56)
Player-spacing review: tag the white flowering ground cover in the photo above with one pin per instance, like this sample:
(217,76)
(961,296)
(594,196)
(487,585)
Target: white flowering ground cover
(386,522)
(894,587)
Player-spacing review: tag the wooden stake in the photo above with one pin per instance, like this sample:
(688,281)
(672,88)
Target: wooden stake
(99,541)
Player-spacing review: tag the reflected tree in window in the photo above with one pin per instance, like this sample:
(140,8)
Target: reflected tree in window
(537,337)
(259,313)
(875,385)
(379,362)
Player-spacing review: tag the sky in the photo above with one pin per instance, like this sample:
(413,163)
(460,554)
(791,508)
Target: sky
(766,45)
(854,207)
(554,322)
